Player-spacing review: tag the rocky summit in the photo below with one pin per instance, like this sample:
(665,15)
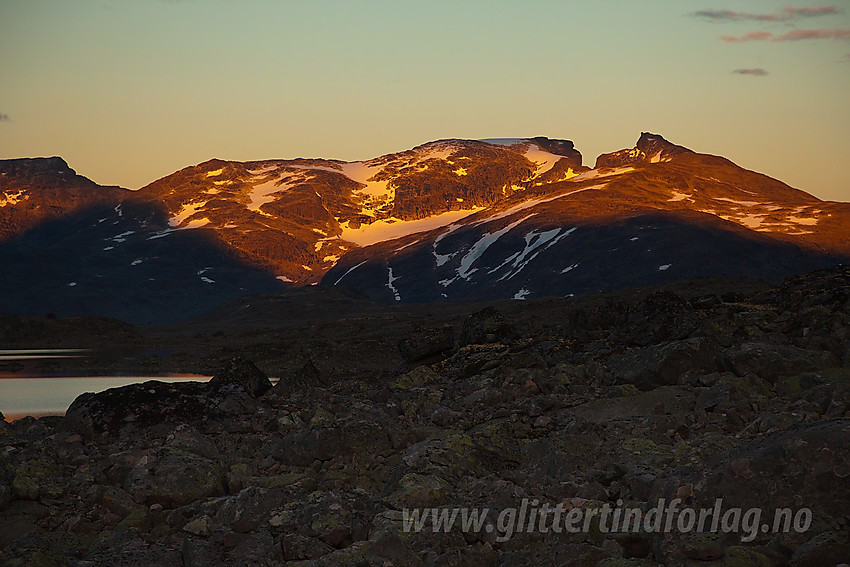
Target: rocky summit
(340,432)
(447,221)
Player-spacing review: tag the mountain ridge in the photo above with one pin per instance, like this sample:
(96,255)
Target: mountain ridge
(453,210)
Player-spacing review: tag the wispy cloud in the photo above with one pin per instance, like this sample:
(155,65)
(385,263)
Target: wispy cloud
(752,36)
(784,15)
(4,117)
(796,35)
(752,72)
(793,35)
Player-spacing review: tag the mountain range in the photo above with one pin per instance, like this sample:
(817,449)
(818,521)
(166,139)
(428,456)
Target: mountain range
(450,220)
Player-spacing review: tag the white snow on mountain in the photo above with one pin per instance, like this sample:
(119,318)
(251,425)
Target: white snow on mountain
(535,243)
(465,269)
(388,229)
(390,281)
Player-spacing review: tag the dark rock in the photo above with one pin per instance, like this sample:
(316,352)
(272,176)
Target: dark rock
(486,326)
(297,379)
(774,361)
(173,478)
(244,373)
(670,363)
(425,344)
(296,547)
(390,546)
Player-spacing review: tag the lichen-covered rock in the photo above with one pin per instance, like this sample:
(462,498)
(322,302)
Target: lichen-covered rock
(670,363)
(486,326)
(774,361)
(173,478)
(37,478)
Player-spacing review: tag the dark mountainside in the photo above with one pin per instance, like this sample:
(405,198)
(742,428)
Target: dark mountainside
(715,388)
(450,220)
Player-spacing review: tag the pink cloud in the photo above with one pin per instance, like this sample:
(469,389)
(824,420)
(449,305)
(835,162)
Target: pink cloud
(794,35)
(752,36)
(797,35)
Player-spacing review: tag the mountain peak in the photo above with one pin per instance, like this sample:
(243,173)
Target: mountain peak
(650,148)
(35,166)
(652,144)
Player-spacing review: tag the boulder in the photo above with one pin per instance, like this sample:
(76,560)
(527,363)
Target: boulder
(425,344)
(243,372)
(173,478)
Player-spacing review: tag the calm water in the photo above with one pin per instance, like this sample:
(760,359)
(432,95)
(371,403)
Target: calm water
(24,394)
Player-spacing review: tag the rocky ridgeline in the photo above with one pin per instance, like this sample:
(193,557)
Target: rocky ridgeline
(648,397)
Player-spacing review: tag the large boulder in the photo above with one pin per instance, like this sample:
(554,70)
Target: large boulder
(666,364)
(243,372)
(173,478)
(486,326)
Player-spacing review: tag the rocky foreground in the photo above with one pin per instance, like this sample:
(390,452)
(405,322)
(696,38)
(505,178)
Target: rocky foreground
(648,397)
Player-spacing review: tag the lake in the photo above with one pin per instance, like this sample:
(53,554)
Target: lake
(24,393)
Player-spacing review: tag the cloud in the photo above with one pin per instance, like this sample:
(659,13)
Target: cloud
(786,14)
(4,117)
(794,35)
(752,36)
(753,72)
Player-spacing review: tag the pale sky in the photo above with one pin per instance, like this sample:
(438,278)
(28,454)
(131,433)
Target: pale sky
(128,91)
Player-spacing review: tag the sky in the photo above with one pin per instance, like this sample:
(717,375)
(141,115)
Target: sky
(128,91)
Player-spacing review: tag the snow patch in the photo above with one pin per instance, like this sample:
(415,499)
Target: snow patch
(283,279)
(465,269)
(391,228)
(120,237)
(664,267)
(390,281)
(604,172)
(535,243)
(215,172)
(12,198)
(811,221)
(522,294)
(349,271)
(400,248)
(136,262)
(206,279)
(542,159)
(194,223)
(264,192)
(185,212)
(72,284)
(569,268)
